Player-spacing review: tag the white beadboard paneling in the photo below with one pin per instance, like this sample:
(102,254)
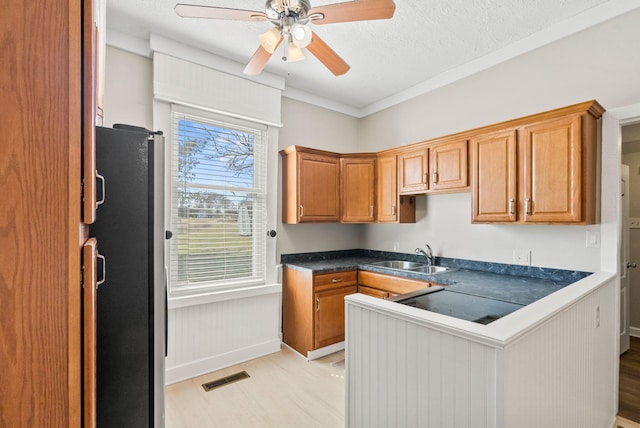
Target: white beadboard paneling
(400,374)
(211,336)
(406,367)
(570,383)
(197,85)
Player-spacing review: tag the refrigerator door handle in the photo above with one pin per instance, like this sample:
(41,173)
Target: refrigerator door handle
(166,311)
(103,261)
(102,187)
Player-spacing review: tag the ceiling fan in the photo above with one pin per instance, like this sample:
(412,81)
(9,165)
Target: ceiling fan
(290,18)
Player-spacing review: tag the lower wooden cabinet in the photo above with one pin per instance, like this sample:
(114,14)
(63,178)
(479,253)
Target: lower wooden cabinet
(385,286)
(375,292)
(313,308)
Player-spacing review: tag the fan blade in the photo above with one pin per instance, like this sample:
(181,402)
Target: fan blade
(359,10)
(210,12)
(258,60)
(327,56)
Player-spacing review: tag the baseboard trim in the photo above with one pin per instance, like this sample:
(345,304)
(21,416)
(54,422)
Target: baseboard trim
(217,362)
(319,353)
(634,331)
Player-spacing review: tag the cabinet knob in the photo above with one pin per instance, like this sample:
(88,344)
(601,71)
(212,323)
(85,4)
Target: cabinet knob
(512,206)
(301,211)
(272,233)
(631,265)
(434,177)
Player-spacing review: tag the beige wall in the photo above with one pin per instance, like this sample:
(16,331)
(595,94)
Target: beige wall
(598,63)
(128,89)
(312,126)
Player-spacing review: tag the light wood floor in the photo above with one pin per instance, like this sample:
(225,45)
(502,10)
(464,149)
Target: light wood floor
(284,391)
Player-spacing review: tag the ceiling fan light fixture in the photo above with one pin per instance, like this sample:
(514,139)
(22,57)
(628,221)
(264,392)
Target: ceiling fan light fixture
(300,35)
(270,39)
(294,53)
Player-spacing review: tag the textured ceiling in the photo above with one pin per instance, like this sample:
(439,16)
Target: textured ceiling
(423,40)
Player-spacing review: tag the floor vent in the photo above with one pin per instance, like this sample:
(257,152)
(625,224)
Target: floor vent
(225,381)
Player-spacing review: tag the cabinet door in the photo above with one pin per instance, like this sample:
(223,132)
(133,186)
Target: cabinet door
(358,189)
(374,292)
(89,332)
(413,168)
(551,170)
(387,189)
(89,111)
(390,284)
(448,164)
(329,315)
(493,168)
(318,188)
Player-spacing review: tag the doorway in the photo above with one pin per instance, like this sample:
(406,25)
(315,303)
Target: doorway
(629,381)
(631,233)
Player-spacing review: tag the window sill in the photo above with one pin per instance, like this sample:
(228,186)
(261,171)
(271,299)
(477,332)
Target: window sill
(175,302)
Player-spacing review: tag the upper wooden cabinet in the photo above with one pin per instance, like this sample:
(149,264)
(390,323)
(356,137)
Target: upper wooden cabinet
(541,171)
(392,208)
(448,165)
(387,189)
(493,172)
(413,171)
(432,167)
(93,52)
(358,180)
(536,169)
(311,185)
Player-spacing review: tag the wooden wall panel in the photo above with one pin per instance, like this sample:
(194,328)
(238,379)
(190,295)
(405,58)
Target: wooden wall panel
(40,229)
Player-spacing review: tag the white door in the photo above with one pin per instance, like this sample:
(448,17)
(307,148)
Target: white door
(624,261)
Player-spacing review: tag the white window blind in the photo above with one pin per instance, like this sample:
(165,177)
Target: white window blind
(218,204)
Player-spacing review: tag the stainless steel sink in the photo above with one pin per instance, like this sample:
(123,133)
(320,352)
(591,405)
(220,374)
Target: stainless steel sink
(430,269)
(399,264)
(411,266)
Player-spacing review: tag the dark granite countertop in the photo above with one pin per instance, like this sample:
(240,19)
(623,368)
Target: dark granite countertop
(510,283)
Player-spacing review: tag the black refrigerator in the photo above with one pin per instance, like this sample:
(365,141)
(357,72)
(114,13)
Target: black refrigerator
(131,302)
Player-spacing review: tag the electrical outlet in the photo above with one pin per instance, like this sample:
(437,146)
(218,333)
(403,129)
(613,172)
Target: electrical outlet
(593,239)
(522,257)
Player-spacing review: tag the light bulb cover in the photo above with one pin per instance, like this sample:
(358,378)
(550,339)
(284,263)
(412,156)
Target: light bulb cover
(294,53)
(300,35)
(271,39)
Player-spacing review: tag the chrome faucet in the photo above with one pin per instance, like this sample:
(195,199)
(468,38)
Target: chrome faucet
(428,254)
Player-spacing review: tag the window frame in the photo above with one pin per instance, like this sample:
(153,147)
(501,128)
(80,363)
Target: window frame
(229,288)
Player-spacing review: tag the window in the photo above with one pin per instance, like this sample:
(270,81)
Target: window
(218,204)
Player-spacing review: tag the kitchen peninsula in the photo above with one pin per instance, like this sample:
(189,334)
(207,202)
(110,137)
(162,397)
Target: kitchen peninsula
(543,365)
